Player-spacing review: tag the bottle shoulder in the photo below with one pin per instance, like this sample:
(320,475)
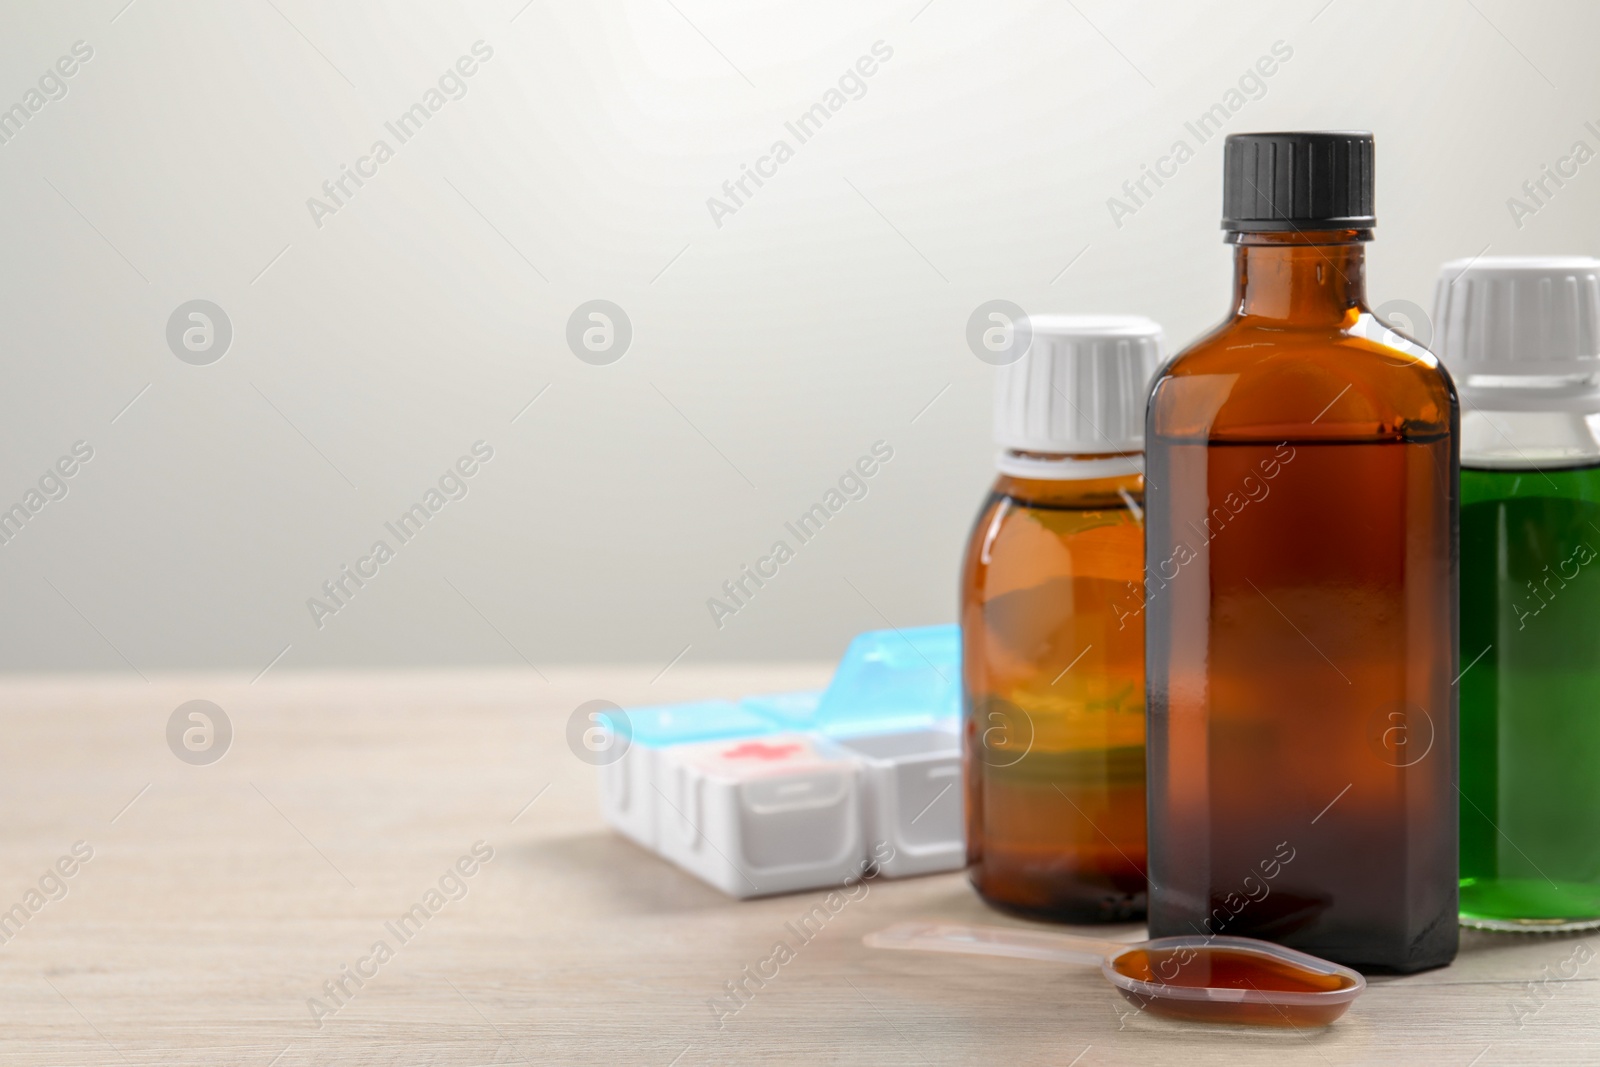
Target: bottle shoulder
(1020,541)
(1254,379)
(1027,509)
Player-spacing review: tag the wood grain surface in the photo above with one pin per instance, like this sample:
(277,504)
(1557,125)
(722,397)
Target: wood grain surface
(220,899)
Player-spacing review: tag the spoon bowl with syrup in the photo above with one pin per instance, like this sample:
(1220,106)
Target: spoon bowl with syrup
(1236,980)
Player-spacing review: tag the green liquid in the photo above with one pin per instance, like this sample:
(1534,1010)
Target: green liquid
(1530,707)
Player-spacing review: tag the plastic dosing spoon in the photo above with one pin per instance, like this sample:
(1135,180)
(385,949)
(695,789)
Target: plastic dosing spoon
(1202,979)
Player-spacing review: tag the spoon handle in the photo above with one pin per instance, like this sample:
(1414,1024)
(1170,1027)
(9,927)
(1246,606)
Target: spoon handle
(994,941)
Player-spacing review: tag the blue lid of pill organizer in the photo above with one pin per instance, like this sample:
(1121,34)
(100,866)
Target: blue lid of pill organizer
(792,711)
(702,720)
(894,680)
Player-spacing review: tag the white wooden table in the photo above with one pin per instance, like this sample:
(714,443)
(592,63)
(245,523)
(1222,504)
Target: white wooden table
(220,898)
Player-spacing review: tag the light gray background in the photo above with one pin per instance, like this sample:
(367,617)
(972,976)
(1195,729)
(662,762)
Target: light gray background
(768,354)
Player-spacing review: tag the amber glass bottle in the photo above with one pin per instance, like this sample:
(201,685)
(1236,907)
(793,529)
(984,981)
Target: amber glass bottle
(1301,571)
(1053,631)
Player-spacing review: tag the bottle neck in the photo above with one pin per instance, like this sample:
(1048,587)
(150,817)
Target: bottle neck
(1117,492)
(1305,278)
(1076,467)
(1536,440)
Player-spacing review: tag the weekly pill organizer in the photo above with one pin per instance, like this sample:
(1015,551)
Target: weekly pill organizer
(793,791)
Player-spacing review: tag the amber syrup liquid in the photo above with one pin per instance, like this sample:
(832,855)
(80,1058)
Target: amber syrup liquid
(1053,664)
(1223,968)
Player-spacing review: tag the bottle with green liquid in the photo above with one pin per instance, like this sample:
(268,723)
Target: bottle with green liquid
(1522,338)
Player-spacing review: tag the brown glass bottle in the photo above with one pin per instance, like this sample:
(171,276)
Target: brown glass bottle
(1301,583)
(1053,659)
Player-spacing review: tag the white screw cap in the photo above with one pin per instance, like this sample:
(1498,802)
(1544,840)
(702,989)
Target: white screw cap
(1081,386)
(1518,316)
